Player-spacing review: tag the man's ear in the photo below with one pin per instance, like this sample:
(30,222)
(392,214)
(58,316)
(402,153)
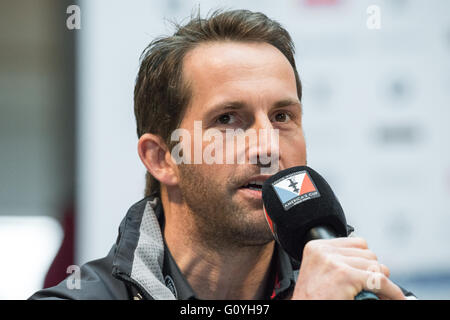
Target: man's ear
(155,156)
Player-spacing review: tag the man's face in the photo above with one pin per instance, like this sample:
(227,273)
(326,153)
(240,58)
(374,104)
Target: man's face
(247,86)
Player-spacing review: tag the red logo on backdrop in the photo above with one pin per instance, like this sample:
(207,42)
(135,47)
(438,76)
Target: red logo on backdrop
(317,3)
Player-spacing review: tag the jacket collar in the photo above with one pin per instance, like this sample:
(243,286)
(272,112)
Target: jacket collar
(139,254)
(142,258)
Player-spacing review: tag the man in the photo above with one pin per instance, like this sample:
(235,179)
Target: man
(200,233)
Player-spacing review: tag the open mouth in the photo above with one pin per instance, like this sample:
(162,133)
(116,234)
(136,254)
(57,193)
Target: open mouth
(253,185)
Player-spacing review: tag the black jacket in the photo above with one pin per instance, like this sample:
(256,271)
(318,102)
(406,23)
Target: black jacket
(140,266)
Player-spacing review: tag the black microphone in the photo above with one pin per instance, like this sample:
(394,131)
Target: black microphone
(300,206)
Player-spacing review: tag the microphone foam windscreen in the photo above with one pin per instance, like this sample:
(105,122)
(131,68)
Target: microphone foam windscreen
(296,200)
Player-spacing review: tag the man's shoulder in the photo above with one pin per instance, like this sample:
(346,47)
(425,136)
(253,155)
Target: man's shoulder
(109,277)
(93,281)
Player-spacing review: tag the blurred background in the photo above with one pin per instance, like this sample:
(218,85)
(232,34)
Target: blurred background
(376,83)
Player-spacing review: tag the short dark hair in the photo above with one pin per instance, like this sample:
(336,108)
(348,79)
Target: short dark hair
(161,96)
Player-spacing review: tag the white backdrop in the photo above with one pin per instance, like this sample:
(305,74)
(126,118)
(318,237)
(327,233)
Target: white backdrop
(376,113)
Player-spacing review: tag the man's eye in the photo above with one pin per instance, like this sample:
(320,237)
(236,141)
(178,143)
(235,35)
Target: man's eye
(226,118)
(282,117)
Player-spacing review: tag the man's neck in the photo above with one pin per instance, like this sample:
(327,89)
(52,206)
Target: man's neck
(225,273)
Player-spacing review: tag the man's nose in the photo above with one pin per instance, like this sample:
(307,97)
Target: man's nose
(264,148)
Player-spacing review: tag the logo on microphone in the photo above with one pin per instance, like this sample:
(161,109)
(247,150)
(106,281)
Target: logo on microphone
(295,188)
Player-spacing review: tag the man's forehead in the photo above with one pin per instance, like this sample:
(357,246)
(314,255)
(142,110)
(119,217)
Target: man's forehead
(223,56)
(230,49)
(223,68)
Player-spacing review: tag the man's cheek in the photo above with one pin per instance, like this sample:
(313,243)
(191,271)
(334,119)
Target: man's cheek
(293,153)
(211,174)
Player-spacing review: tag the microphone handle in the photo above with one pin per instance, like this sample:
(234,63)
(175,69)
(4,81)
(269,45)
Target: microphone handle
(325,232)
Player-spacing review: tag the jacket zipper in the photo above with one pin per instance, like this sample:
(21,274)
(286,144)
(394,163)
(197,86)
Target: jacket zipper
(140,289)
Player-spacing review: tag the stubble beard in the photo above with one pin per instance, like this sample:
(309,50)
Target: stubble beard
(218,219)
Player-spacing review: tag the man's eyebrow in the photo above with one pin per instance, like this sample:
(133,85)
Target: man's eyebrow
(288,102)
(227,105)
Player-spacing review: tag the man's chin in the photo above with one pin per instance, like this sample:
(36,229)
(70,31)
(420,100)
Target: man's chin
(250,212)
